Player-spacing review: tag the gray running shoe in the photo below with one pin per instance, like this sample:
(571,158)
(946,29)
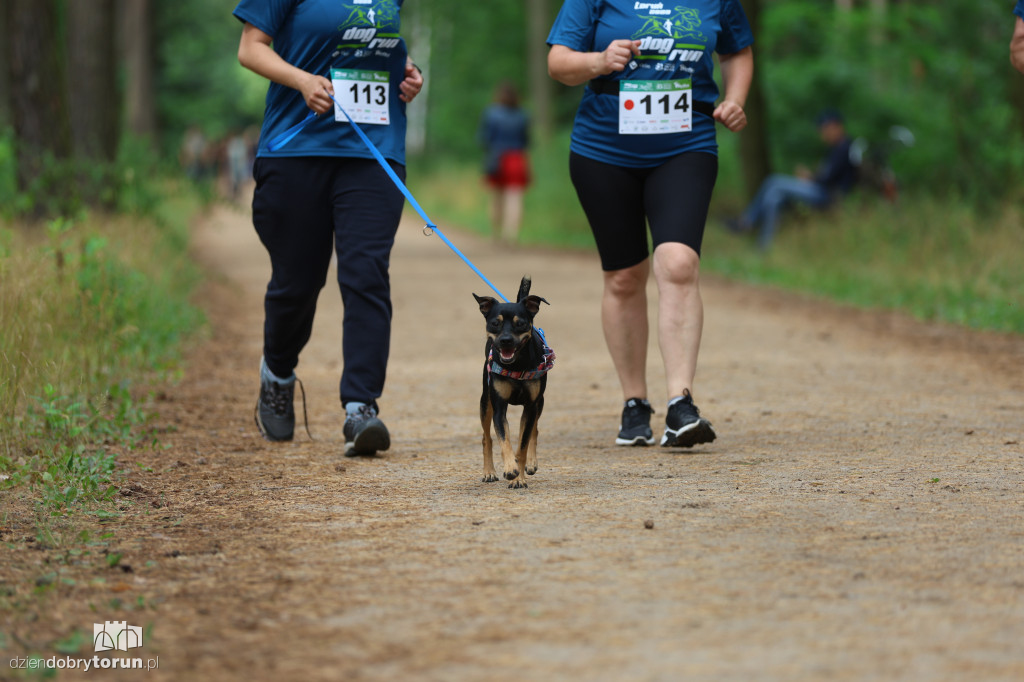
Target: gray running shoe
(275,415)
(365,433)
(635,428)
(684,427)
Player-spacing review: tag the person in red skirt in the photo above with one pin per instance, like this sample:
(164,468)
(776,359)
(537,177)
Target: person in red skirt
(504,133)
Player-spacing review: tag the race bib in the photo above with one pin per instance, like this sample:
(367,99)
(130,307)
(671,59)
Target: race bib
(364,95)
(655,107)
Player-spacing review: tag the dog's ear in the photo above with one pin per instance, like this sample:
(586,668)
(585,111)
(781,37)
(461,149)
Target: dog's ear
(532,303)
(524,288)
(486,303)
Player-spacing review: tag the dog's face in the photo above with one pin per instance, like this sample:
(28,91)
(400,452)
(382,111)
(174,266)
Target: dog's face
(509,325)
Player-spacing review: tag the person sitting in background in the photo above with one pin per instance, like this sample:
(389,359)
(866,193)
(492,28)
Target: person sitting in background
(834,177)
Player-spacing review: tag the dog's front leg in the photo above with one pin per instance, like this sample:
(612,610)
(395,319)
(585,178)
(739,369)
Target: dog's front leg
(508,455)
(486,415)
(501,391)
(531,451)
(528,442)
(527,433)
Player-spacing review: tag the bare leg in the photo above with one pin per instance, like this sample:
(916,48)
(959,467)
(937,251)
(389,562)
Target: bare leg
(680,314)
(497,213)
(624,320)
(513,214)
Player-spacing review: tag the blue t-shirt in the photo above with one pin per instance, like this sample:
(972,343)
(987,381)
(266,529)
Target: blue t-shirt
(1019,9)
(316,36)
(677,42)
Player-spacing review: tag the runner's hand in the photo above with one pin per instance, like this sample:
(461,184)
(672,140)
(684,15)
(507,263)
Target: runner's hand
(617,55)
(413,83)
(317,91)
(731,115)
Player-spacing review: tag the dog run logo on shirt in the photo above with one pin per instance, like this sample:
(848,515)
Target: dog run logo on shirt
(360,30)
(670,34)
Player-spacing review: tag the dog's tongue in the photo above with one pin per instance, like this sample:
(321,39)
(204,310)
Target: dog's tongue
(507,354)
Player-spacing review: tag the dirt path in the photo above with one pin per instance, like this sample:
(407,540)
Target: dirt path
(861,515)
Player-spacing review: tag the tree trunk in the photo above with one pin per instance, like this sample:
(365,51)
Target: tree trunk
(92,64)
(136,28)
(5,73)
(754,156)
(538,23)
(39,109)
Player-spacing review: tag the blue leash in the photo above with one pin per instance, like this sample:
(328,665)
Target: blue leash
(429,228)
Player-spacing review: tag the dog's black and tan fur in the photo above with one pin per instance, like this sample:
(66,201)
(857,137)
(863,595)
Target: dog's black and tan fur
(516,346)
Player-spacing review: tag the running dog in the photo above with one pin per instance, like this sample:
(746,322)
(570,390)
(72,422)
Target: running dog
(515,373)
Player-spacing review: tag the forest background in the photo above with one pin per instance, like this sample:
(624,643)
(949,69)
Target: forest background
(96,98)
(136,74)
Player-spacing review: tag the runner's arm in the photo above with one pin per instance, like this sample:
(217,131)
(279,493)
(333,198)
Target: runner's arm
(570,67)
(1017,46)
(737,74)
(256,54)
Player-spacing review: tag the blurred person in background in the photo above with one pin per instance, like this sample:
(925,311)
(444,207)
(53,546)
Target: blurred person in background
(834,177)
(505,133)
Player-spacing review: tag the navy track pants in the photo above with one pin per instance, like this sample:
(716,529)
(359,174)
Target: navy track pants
(302,207)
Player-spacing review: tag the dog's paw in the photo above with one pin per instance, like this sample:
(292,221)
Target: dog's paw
(516,484)
(489,478)
(530,471)
(509,475)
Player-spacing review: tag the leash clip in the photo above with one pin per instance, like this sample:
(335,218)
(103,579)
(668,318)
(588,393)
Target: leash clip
(428,230)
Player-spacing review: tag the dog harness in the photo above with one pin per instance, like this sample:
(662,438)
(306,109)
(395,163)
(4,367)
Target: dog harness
(546,363)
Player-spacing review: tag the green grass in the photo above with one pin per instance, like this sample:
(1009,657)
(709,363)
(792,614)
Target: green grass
(936,258)
(90,309)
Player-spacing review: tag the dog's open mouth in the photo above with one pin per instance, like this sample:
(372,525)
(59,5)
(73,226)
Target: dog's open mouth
(506,354)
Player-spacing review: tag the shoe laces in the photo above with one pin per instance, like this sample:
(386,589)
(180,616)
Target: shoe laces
(684,406)
(279,397)
(362,413)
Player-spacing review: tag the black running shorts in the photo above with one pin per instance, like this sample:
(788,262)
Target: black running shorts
(619,203)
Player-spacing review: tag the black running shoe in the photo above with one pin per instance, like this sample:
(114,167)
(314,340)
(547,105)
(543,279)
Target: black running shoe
(684,427)
(275,415)
(635,428)
(364,433)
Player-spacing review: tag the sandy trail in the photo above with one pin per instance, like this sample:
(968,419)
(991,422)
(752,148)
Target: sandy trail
(861,515)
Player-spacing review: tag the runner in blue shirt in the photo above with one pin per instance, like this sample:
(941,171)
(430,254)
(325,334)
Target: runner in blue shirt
(323,190)
(643,154)
(1017,42)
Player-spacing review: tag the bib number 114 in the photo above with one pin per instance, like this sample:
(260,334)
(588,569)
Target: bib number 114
(655,107)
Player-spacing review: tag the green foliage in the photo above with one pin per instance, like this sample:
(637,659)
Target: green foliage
(200,81)
(80,321)
(942,71)
(937,259)
(461,83)
(67,187)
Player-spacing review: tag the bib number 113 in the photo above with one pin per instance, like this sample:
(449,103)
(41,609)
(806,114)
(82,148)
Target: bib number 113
(363,94)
